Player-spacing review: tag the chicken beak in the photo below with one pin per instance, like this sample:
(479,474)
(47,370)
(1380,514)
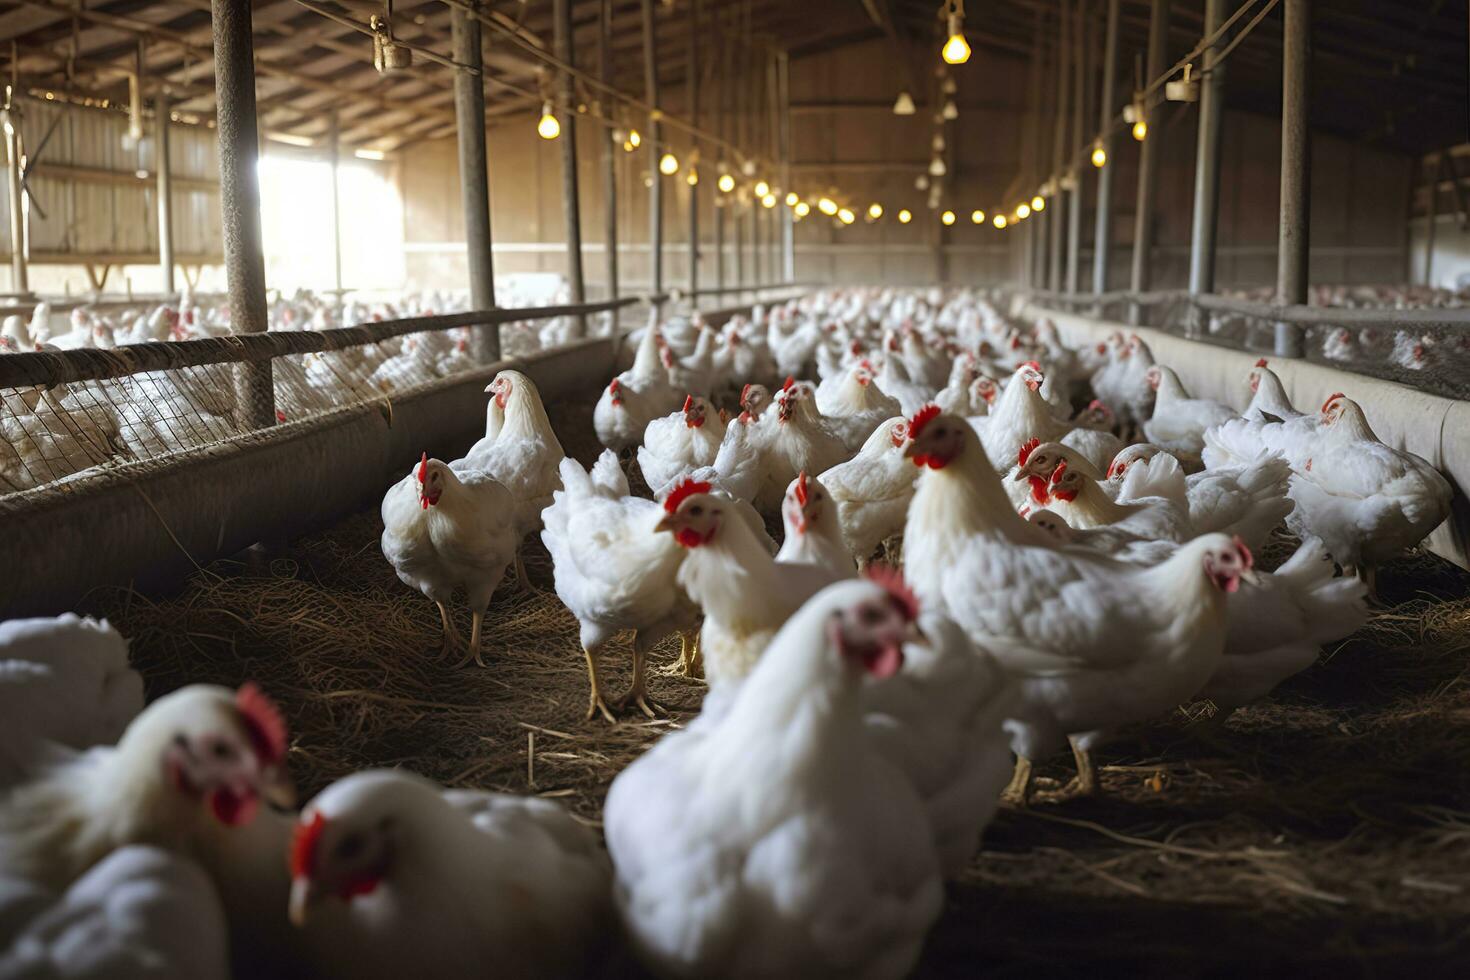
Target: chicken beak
(667,523)
(1250,576)
(303,897)
(1021,474)
(911,450)
(277,789)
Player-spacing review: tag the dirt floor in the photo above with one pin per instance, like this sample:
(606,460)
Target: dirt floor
(1327,827)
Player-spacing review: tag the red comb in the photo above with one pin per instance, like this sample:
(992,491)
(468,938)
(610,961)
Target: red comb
(687,488)
(1332,398)
(892,580)
(263,723)
(744,392)
(1261,362)
(922,418)
(688,401)
(1097,403)
(801,488)
(786,385)
(1032,365)
(1056,474)
(613,386)
(1025,452)
(304,839)
(424,468)
(1246,558)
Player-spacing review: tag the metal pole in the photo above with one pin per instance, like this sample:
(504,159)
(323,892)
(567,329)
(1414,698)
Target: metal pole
(1433,222)
(721,199)
(164,171)
(609,160)
(1074,197)
(19,280)
(1102,240)
(1143,225)
(656,149)
(1207,161)
(571,200)
(334,150)
(239,195)
(1059,153)
(788,220)
(474,181)
(693,71)
(1296,164)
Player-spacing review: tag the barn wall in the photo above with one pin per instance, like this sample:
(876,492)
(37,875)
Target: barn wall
(1359,192)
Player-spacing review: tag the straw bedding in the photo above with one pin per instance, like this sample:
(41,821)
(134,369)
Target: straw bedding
(1326,826)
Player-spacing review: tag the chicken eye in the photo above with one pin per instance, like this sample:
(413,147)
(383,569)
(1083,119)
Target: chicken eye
(223,750)
(350,847)
(872,615)
(696,511)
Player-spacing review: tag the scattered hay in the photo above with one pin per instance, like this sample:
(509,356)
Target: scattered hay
(1327,825)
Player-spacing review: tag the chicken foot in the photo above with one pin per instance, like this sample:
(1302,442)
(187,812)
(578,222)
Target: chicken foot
(473,653)
(1086,782)
(638,692)
(522,579)
(595,703)
(451,642)
(1018,791)
(689,664)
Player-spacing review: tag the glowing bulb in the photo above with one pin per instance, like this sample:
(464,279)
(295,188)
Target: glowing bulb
(726,183)
(937,167)
(1023,211)
(693,178)
(905,216)
(947,217)
(956,50)
(951,111)
(634,140)
(1038,203)
(1140,130)
(846,216)
(827,206)
(548,128)
(668,165)
(977,216)
(904,104)
(1000,221)
(1099,156)
(875,211)
(803,209)
(768,201)
(762,188)
(791,199)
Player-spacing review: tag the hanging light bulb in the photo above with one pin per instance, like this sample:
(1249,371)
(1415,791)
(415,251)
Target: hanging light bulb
(956,50)
(668,165)
(634,140)
(726,183)
(827,206)
(1038,203)
(904,104)
(875,211)
(937,167)
(846,216)
(549,128)
(1023,210)
(921,182)
(1099,156)
(693,177)
(791,199)
(1000,221)
(762,188)
(977,217)
(1140,130)
(947,217)
(905,216)
(938,143)
(802,209)
(951,111)
(768,200)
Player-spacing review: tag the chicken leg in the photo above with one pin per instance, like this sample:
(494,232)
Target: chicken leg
(1018,791)
(689,664)
(638,692)
(473,653)
(522,579)
(1086,782)
(451,643)
(595,703)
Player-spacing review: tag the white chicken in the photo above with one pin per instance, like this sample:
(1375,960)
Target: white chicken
(813,534)
(854,405)
(775,840)
(680,443)
(444,530)
(1179,421)
(728,572)
(614,573)
(140,913)
(798,438)
(1156,509)
(635,397)
(522,453)
(873,490)
(63,682)
(394,877)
